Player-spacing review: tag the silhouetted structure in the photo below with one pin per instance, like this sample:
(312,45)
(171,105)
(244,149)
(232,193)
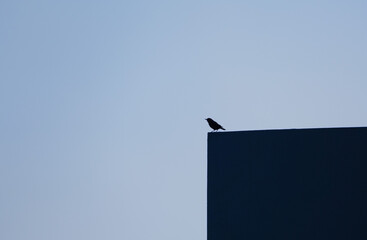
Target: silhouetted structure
(213,124)
(299,184)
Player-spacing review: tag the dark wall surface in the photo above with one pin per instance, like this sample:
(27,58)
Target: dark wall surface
(293,184)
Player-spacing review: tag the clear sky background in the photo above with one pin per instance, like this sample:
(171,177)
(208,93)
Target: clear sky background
(102,130)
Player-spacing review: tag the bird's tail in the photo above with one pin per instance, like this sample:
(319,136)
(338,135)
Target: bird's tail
(222,128)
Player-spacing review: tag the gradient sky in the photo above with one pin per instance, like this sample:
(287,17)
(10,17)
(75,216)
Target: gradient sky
(103,103)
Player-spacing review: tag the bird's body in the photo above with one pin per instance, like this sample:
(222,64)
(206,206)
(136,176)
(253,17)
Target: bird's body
(213,124)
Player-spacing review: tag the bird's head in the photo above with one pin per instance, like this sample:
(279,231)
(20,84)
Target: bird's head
(208,119)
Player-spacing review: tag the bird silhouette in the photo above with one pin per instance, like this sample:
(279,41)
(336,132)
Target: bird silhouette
(213,124)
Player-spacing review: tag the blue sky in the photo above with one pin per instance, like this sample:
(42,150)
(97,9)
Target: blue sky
(103,103)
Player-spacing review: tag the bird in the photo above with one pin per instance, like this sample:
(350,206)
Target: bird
(213,124)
